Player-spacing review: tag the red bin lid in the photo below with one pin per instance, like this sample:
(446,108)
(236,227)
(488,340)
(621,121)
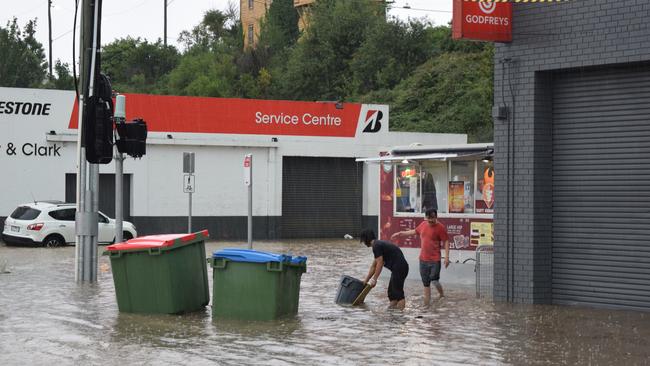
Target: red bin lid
(154,241)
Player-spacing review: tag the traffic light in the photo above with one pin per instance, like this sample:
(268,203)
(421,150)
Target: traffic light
(98,123)
(133,138)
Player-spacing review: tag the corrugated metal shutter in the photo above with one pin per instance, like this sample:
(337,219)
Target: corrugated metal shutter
(106,193)
(601,188)
(321,197)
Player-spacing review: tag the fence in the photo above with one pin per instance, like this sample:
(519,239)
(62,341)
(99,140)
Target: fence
(484,271)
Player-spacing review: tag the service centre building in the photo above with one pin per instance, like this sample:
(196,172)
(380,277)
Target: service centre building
(572,152)
(306,183)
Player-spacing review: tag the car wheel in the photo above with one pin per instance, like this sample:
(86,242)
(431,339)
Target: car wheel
(53,241)
(127,236)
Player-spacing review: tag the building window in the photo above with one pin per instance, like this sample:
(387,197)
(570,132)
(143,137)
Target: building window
(434,185)
(457,186)
(407,188)
(461,187)
(484,195)
(251,33)
(250,4)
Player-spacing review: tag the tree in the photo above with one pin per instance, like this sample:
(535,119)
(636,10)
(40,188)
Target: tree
(390,53)
(216,29)
(451,93)
(204,74)
(279,29)
(278,33)
(318,68)
(135,65)
(22,63)
(63,79)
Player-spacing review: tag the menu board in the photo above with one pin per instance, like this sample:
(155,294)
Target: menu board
(482,233)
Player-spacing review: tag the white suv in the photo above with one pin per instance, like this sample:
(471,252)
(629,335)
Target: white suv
(52,224)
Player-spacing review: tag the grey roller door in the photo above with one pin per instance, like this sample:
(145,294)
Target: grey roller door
(106,193)
(601,188)
(321,197)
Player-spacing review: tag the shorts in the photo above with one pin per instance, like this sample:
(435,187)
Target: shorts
(429,271)
(396,284)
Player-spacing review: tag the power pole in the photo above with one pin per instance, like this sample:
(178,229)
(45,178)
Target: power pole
(87,174)
(49,23)
(165,32)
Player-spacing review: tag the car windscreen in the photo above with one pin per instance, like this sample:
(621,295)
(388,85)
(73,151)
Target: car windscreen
(25,213)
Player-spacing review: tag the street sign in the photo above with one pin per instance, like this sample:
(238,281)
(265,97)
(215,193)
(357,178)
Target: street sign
(248,165)
(188,162)
(189,183)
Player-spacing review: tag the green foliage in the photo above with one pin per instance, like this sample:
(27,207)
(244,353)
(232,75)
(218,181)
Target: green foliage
(319,68)
(217,30)
(450,93)
(135,65)
(349,51)
(22,63)
(63,79)
(279,28)
(390,52)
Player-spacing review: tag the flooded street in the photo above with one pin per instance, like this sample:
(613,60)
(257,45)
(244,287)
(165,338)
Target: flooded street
(46,318)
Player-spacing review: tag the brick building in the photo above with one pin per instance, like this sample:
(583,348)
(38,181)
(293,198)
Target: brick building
(251,12)
(572,222)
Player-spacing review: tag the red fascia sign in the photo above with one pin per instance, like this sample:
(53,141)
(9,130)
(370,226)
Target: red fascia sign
(239,116)
(482,20)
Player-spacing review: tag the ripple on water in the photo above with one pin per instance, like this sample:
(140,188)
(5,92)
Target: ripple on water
(45,315)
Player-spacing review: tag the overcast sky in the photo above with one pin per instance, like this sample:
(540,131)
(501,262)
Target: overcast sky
(144,18)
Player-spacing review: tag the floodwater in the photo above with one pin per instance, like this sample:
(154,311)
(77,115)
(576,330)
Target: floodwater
(46,318)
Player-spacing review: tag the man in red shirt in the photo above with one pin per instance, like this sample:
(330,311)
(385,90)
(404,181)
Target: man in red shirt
(433,235)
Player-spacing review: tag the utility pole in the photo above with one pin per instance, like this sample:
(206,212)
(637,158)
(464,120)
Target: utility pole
(49,23)
(165,32)
(87,174)
(120,117)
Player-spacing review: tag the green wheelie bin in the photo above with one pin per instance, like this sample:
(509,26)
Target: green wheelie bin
(161,274)
(254,285)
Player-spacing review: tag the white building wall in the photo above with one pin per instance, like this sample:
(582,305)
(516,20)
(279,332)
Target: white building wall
(157,177)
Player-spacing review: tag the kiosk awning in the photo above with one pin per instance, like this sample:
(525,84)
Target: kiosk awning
(442,153)
(392,158)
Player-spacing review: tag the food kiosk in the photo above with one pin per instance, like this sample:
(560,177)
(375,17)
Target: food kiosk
(456,180)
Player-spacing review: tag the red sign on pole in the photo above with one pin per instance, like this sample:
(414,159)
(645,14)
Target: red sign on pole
(248,165)
(482,20)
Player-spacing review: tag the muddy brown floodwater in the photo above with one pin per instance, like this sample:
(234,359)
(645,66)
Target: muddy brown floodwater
(48,319)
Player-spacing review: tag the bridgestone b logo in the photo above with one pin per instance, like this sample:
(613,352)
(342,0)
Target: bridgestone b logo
(373,121)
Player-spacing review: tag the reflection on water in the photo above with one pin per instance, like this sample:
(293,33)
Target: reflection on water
(46,318)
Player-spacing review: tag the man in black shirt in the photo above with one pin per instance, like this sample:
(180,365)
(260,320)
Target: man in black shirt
(390,256)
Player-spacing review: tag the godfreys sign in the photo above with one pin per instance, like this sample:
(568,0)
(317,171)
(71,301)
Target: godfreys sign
(482,20)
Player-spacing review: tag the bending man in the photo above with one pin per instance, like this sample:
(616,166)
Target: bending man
(390,256)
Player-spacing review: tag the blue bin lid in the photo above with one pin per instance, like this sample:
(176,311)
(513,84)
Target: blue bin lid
(255,256)
(299,260)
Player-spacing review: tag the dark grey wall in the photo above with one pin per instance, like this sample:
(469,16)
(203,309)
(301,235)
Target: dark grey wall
(546,38)
(223,228)
(220,228)
(368,222)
